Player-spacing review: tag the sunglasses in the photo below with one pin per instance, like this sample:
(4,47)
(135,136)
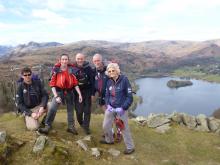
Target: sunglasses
(25,75)
(111,71)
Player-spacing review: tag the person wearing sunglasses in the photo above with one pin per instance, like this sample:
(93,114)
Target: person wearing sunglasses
(31,99)
(118,99)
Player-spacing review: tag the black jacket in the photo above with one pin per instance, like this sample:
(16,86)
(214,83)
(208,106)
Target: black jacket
(85,77)
(100,82)
(26,102)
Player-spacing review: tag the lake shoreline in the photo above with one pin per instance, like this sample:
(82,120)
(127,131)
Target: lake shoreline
(158,98)
(187,77)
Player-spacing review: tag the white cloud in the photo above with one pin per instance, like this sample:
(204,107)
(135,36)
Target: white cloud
(137,4)
(99,5)
(50,17)
(2,8)
(56,4)
(121,20)
(173,6)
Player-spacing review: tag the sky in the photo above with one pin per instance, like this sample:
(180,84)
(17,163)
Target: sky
(67,21)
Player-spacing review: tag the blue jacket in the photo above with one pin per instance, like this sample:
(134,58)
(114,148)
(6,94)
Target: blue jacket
(119,93)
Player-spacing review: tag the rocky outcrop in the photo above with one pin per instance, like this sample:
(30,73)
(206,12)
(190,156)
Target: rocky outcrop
(140,120)
(82,145)
(177,84)
(162,122)
(202,123)
(189,121)
(154,121)
(39,144)
(8,145)
(213,124)
(163,128)
(114,152)
(2,136)
(95,152)
(177,117)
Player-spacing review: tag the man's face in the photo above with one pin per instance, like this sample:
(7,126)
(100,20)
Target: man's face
(27,77)
(64,60)
(97,61)
(80,58)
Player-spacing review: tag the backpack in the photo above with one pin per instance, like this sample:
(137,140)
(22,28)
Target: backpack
(56,69)
(82,77)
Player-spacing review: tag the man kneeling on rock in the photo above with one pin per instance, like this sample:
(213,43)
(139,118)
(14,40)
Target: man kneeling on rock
(31,98)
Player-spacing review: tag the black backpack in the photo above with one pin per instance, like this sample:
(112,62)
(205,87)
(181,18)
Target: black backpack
(83,78)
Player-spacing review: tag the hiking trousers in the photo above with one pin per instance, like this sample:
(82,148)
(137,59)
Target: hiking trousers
(68,100)
(107,127)
(31,123)
(83,109)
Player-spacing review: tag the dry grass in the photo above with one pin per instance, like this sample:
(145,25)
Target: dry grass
(179,146)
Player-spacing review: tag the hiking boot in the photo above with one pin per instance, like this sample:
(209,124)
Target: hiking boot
(105,142)
(44,130)
(87,130)
(72,130)
(43,121)
(129,151)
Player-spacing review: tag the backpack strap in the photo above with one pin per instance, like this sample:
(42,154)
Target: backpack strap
(73,70)
(54,71)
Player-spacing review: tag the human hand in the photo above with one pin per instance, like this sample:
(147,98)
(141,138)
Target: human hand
(58,99)
(80,98)
(119,111)
(109,108)
(41,111)
(34,115)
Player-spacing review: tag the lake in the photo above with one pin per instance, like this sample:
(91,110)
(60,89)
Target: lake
(200,98)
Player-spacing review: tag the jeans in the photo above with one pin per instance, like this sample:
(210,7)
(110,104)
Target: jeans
(68,99)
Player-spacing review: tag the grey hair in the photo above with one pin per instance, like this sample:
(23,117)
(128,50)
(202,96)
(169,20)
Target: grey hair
(114,66)
(97,55)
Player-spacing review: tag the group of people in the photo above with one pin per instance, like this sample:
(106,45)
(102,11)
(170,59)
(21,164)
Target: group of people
(75,84)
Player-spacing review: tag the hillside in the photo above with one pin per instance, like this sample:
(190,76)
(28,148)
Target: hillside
(179,145)
(151,58)
(139,58)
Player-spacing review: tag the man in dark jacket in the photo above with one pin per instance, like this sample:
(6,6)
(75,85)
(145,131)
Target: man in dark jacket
(85,79)
(100,79)
(31,98)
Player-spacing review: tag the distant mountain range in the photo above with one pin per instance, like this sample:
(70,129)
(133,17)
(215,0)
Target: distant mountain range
(7,50)
(137,58)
